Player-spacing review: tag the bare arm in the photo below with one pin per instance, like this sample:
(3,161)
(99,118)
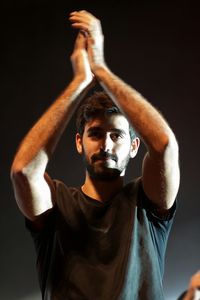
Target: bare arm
(160,174)
(33,188)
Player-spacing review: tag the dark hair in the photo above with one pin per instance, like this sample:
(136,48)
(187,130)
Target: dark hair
(97,105)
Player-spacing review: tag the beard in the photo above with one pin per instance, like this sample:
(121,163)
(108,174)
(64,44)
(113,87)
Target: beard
(104,166)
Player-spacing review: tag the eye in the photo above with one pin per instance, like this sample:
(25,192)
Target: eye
(116,136)
(95,134)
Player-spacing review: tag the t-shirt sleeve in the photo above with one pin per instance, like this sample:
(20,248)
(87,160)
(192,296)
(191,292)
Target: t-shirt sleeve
(46,222)
(45,230)
(43,238)
(43,241)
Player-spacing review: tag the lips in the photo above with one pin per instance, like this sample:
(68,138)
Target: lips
(103,157)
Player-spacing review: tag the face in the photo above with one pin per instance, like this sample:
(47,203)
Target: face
(106,147)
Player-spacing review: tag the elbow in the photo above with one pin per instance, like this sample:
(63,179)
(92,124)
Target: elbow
(17,176)
(15,172)
(168,144)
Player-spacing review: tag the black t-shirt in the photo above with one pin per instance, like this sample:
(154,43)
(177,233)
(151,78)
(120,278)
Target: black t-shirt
(89,250)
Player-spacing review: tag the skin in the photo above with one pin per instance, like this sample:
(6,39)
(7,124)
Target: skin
(102,138)
(193,293)
(160,172)
(34,189)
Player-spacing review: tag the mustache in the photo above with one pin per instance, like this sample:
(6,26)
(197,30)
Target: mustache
(103,155)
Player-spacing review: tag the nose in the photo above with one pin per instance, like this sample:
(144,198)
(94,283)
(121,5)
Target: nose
(107,143)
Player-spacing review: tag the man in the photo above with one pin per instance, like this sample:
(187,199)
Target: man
(103,240)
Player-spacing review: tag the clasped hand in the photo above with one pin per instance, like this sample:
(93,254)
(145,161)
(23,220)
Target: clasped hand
(88,51)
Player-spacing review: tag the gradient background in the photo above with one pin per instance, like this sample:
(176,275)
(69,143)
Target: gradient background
(152,45)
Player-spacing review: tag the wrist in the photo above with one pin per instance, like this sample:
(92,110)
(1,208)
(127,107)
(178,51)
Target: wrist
(99,70)
(82,81)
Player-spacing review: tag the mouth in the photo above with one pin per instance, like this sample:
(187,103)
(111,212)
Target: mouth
(104,157)
(105,160)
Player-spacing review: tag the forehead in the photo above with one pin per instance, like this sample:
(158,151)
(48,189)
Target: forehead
(112,121)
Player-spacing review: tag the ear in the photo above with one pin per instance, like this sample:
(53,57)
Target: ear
(134,147)
(79,146)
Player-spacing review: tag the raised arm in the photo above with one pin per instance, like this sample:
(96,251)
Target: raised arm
(160,175)
(33,188)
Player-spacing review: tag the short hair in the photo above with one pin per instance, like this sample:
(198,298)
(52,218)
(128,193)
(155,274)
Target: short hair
(97,105)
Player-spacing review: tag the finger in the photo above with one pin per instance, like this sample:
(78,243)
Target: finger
(81,26)
(79,19)
(85,33)
(81,16)
(80,42)
(79,12)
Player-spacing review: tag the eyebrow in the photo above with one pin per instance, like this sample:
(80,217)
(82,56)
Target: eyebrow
(98,128)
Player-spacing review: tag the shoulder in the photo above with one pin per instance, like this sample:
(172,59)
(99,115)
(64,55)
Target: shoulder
(64,191)
(65,204)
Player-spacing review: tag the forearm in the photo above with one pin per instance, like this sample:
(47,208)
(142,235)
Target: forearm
(146,120)
(34,190)
(45,134)
(160,173)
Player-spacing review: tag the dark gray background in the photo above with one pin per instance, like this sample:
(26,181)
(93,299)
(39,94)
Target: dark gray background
(152,45)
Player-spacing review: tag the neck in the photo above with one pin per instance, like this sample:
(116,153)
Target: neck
(101,190)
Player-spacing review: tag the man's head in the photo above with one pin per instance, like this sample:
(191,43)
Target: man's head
(104,137)
(97,105)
